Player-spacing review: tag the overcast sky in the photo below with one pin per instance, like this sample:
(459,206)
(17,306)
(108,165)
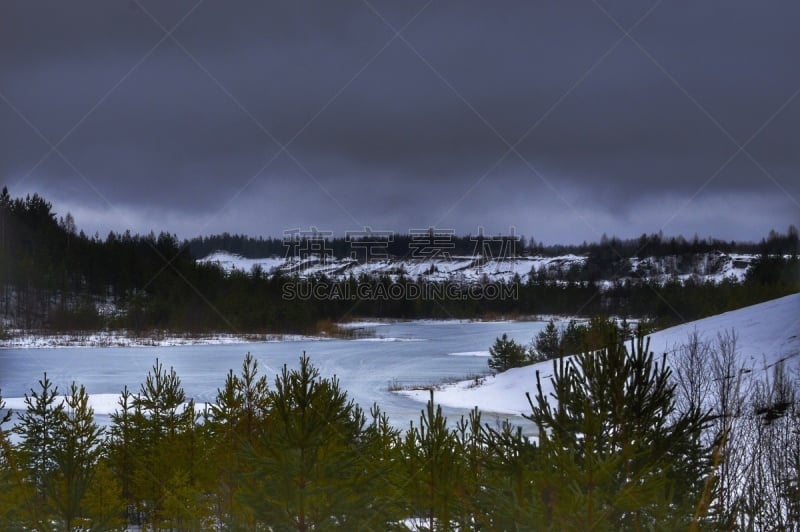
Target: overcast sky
(565,120)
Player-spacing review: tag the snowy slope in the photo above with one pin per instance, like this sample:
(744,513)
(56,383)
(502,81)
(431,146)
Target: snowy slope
(709,266)
(766,333)
(230,262)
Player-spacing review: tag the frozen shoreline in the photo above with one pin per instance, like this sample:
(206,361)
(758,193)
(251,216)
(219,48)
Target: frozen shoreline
(25,340)
(20,339)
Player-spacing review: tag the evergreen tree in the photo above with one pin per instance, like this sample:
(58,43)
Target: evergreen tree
(381,455)
(10,500)
(75,452)
(309,469)
(103,504)
(160,425)
(506,354)
(622,456)
(235,421)
(159,399)
(472,506)
(124,443)
(434,468)
(515,489)
(547,343)
(572,338)
(37,428)
(185,506)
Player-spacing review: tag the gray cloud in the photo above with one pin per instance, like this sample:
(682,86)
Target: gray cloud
(406,132)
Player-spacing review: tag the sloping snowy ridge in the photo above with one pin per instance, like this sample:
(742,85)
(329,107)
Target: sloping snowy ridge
(705,266)
(766,334)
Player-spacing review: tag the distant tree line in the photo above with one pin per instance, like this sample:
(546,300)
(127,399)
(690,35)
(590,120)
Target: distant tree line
(400,245)
(431,242)
(554,341)
(623,444)
(54,277)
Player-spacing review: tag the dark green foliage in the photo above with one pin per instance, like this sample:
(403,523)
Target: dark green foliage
(623,457)
(75,452)
(123,442)
(771,271)
(547,344)
(38,427)
(104,506)
(596,333)
(160,454)
(9,482)
(614,452)
(506,354)
(158,402)
(235,423)
(513,497)
(434,469)
(310,467)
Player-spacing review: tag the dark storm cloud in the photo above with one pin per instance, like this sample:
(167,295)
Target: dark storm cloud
(630,134)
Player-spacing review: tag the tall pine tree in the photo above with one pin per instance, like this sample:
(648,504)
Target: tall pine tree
(622,456)
(37,427)
(75,452)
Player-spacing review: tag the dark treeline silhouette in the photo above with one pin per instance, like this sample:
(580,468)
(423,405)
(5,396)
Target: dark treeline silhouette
(403,245)
(426,243)
(55,277)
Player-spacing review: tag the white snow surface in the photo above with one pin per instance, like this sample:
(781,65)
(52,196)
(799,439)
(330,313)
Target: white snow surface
(470,354)
(766,333)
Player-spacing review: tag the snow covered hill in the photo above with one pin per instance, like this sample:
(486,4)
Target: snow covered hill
(766,333)
(705,266)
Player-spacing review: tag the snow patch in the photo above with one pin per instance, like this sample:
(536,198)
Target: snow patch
(26,340)
(470,354)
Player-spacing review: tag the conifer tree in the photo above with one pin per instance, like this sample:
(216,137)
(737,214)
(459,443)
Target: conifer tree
(159,422)
(75,453)
(573,338)
(8,480)
(185,506)
(124,443)
(159,399)
(506,354)
(471,505)
(434,467)
(103,504)
(37,427)
(622,455)
(514,492)
(224,422)
(381,458)
(547,343)
(308,471)
(235,421)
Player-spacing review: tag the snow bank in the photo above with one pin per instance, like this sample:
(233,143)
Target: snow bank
(470,354)
(766,333)
(388,339)
(21,340)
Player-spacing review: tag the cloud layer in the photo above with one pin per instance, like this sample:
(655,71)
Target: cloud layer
(565,120)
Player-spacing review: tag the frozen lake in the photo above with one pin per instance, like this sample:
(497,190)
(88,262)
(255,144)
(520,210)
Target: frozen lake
(406,353)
